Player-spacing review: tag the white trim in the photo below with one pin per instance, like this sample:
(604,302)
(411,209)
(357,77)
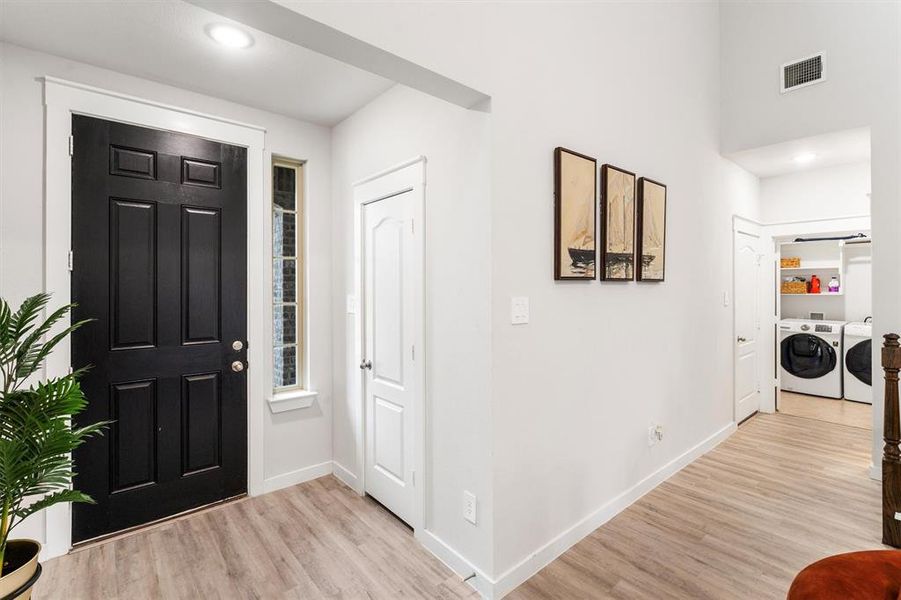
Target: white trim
(284,480)
(457,563)
(62,99)
(381,186)
(521,572)
(389,170)
(797,222)
(291,400)
(347,477)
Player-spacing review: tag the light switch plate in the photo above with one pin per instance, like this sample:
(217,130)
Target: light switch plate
(351,304)
(469,507)
(519,310)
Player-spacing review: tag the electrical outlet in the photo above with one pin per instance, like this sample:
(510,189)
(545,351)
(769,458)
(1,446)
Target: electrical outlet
(469,507)
(655,435)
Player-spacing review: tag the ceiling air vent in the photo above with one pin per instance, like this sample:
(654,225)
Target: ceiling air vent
(803,72)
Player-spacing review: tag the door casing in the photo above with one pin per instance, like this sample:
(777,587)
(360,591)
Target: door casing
(64,98)
(408,176)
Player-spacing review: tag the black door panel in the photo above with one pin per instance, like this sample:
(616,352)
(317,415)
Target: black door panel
(159,241)
(807,356)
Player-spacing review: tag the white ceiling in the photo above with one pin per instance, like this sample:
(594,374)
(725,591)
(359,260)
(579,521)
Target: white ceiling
(838,148)
(164,40)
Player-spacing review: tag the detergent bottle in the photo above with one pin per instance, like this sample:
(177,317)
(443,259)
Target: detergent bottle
(814,284)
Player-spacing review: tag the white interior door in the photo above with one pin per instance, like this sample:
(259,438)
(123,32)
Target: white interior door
(747,324)
(392,297)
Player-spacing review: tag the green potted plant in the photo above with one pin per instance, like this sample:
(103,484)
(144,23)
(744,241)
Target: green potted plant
(36,437)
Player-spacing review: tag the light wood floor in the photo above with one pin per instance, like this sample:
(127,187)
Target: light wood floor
(315,540)
(843,412)
(738,523)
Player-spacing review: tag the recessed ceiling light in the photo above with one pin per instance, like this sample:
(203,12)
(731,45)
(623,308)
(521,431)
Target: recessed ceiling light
(229,36)
(804,158)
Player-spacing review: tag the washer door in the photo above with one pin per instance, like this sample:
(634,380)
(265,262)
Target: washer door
(807,356)
(859,361)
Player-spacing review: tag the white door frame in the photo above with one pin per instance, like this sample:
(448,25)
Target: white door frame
(408,176)
(62,99)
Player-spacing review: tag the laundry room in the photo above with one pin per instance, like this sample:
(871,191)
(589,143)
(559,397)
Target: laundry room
(813,245)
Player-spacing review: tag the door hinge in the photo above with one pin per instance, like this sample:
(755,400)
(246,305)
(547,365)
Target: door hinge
(413,475)
(71,261)
(413,352)
(413,226)
(71,145)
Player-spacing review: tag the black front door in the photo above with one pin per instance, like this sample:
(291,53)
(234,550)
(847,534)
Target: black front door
(159,261)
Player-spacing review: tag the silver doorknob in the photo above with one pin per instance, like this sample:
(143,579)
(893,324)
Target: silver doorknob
(237,366)
(237,345)
(366,364)
(741,339)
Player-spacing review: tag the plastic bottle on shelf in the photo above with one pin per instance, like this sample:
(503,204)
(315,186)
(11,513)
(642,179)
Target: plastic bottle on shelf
(834,285)
(814,284)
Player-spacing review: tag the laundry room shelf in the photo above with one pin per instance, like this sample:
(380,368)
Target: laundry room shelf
(814,295)
(830,266)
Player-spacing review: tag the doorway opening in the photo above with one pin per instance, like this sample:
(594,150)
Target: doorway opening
(807,299)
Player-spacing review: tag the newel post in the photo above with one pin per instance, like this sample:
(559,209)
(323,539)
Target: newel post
(891,457)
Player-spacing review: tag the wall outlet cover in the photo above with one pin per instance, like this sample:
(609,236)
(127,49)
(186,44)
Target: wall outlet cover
(519,310)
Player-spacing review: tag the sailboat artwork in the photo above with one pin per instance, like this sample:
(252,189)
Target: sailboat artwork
(618,224)
(575,237)
(652,230)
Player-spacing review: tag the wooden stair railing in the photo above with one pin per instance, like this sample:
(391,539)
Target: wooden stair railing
(891,455)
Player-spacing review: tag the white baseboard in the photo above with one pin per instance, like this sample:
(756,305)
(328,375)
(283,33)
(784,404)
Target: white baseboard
(519,573)
(294,477)
(876,472)
(346,476)
(457,563)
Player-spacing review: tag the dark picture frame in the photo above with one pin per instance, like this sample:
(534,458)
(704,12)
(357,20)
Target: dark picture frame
(651,230)
(575,215)
(618,214)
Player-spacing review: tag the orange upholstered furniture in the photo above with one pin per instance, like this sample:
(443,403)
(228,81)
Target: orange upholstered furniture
(871,575)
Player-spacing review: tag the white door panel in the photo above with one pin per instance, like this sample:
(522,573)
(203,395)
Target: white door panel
(388,262)
(747,324)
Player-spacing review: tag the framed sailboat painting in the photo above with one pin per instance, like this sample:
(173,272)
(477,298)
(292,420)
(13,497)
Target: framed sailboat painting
(617,224)
(575,216)
(651,230)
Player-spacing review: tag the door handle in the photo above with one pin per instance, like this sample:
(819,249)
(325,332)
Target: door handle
(365,364)
(741,339)
(237,366)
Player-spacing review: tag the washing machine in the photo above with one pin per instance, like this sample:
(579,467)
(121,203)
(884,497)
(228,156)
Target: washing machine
(811,357)
(858,363)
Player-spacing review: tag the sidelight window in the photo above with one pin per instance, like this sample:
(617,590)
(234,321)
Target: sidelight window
(287,275)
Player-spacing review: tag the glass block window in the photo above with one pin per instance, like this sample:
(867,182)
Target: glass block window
(287,275)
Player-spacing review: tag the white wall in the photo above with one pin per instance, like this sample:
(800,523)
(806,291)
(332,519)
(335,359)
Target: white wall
(827,193)
(861,40)
(293,440)
(399,125)
(574,391)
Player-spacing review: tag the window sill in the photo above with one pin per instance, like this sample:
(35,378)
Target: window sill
(291,400)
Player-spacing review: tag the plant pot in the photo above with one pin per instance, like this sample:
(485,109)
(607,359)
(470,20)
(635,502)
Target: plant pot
(22,569)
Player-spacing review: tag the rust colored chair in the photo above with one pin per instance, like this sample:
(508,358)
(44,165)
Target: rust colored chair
(869,575)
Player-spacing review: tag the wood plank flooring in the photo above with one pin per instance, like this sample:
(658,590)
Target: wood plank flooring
(843,412)
(315,540)
(739,522)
